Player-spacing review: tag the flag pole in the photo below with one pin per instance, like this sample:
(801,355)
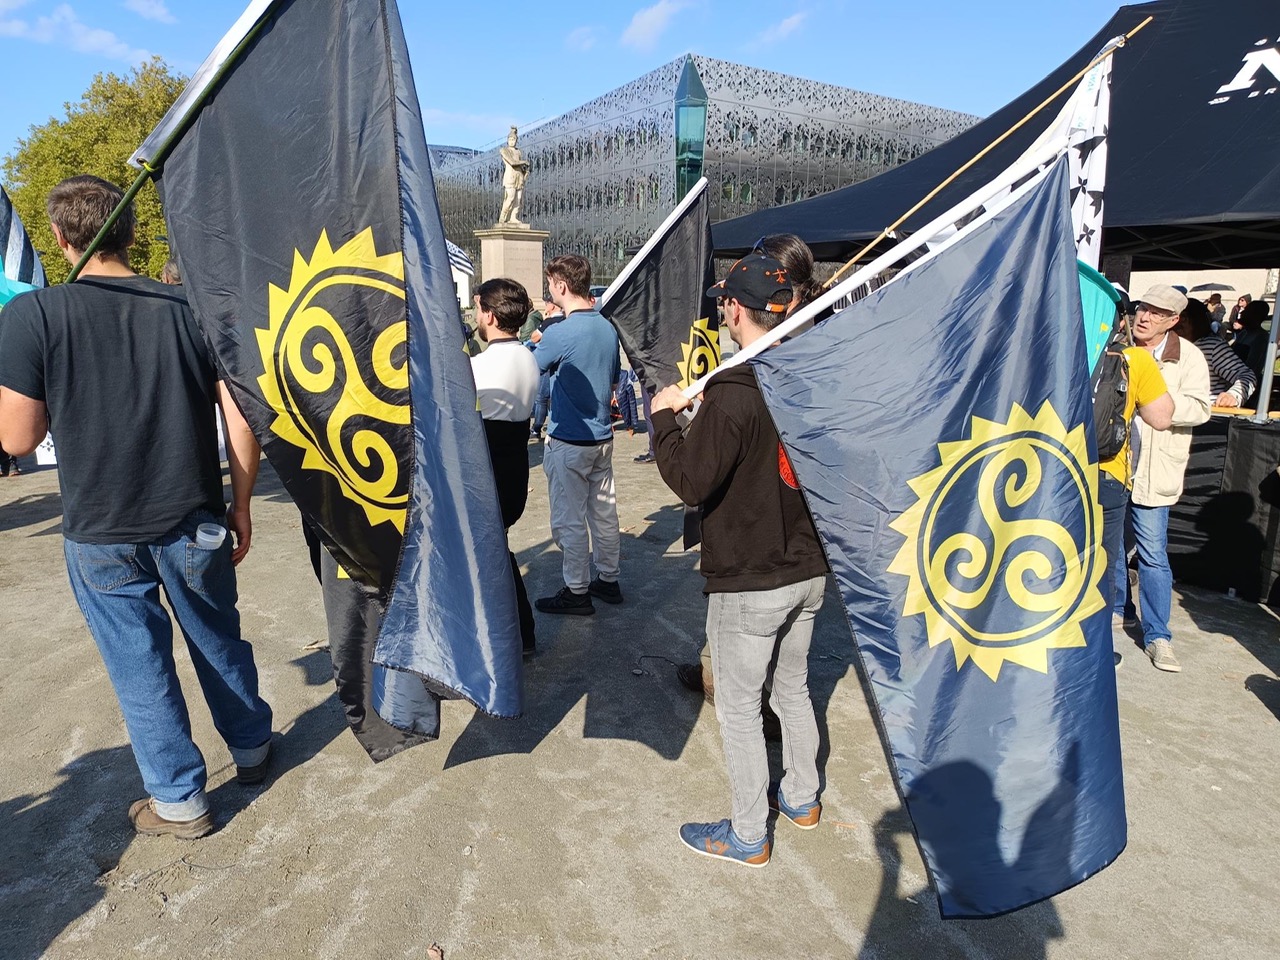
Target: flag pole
(1111,48)
(153,165)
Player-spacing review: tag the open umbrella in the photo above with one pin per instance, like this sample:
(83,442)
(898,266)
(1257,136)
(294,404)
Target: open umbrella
(1211,287)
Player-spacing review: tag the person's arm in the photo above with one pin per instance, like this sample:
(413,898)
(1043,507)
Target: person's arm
(1228,367)
(694,463)
(24,415)
(23,422)
(243,455)
(1158,413)
(550,349)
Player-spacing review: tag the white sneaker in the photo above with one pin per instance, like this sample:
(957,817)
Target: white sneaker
(1161,654)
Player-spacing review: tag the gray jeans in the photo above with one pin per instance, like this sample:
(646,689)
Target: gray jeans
(581,494)
(754,634)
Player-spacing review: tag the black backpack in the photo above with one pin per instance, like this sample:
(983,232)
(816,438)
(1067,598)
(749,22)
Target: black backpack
(1110,393)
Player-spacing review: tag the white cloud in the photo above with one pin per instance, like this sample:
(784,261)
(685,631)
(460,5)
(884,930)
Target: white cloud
(151,10)
(780,31)
(65,28)
(581,39)
(649,23)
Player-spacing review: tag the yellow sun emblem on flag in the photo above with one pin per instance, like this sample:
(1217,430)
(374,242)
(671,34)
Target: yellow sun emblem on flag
(701,352)
(340,405)
(1003,551)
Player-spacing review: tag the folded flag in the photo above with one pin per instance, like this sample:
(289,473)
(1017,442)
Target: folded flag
(319,272)
(962,525)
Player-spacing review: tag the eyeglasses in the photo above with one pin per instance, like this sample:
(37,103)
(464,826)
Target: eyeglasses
(1156,312)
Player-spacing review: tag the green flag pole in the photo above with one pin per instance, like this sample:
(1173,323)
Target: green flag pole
(153,165)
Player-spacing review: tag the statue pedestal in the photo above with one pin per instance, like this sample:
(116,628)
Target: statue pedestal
(513,251)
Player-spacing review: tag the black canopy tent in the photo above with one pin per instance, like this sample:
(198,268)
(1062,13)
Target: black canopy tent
(1193,174)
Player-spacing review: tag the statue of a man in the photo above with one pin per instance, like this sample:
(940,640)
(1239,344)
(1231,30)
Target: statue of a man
(514,175)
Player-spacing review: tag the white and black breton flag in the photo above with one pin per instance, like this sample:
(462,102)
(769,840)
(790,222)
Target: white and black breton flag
(18,260)
(458,258)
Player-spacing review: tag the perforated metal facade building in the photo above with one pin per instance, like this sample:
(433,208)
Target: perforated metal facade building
(603,176)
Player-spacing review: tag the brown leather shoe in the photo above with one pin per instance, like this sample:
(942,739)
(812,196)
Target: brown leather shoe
(142,813)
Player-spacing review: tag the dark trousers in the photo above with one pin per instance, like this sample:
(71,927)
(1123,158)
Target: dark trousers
(1113,497)
(509,454)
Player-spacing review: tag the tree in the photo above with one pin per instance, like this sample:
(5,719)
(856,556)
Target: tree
(98,135)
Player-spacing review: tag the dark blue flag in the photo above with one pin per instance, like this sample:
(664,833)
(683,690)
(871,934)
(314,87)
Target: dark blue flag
(300,203)
(942,432)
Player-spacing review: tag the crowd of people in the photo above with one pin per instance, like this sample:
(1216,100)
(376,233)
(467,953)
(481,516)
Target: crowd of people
(138,483)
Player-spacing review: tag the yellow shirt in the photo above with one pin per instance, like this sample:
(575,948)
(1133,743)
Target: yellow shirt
(1146,384)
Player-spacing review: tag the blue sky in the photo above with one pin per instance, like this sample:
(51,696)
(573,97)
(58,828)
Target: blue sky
(483,65)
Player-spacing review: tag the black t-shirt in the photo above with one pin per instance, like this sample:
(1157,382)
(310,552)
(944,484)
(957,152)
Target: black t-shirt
(130,386)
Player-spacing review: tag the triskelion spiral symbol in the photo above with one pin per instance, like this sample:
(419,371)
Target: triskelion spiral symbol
(1003,545)
(340,384)
(1040,557)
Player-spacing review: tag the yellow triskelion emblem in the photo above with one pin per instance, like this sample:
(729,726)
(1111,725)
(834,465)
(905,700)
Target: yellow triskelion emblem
(305,350)
(1022,573)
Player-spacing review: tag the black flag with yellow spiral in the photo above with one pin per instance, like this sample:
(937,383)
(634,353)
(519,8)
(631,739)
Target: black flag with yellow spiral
(300,203)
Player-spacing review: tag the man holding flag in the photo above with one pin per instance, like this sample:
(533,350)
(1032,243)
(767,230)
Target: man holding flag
(764,568)
(116,364)
(321,279)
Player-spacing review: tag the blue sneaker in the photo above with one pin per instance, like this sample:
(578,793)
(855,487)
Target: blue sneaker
(805,817)
(718,840)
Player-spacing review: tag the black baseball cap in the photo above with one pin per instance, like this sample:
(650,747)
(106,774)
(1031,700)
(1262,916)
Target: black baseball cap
(758,283)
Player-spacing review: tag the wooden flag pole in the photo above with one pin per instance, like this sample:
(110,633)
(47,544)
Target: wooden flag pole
(985,150)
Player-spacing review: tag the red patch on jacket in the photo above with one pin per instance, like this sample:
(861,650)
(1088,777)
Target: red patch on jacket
(784,469)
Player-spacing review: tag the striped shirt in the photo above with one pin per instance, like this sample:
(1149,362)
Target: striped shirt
(1227,372)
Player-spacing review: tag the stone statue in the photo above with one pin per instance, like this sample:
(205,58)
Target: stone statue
(514,175)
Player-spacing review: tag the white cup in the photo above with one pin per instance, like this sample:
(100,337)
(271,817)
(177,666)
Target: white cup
(209,536)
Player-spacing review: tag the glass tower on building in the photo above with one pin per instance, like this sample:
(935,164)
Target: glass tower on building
(604,175)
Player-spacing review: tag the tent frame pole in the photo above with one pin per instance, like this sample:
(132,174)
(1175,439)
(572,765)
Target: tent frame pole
(1268,375)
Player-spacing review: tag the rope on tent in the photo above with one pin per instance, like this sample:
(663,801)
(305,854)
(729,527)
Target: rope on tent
(982,153)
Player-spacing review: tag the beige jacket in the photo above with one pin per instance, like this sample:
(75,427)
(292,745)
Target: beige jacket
(1162,457)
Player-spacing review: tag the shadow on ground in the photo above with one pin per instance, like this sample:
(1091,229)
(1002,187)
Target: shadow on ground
(60,846)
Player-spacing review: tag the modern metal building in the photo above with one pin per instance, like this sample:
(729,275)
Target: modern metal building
(604,175)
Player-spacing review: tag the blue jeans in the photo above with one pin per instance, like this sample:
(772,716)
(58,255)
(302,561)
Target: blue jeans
(542,404)
(118,589)
(627,404)
(1155,579)
(1113,496)
(749,632)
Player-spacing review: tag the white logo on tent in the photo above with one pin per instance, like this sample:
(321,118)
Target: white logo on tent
(1255,63)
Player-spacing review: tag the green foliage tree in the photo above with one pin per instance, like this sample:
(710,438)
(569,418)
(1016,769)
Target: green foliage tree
(97,136)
